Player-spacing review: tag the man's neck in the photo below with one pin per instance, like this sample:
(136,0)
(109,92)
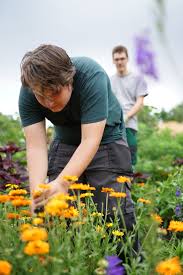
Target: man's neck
(123,73)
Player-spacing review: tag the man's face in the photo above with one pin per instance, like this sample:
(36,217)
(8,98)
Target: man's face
(54,100)
(120,60)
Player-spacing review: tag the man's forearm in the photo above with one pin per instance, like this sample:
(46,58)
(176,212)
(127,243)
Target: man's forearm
(135,109)
(37,166)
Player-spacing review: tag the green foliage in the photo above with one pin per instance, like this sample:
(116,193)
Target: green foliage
(175,114)
(11,131)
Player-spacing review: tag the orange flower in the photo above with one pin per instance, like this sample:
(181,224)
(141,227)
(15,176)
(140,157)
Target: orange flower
(70,213)
(117,194)
(18,203)
(4,198)
(25,226)
(36,193)
(5,267)
(54,207)
(18,192)
(157,218)
(144,201)
(34,234)
(12,216)
(141,184)
(37,247)
(25,212)
(122,179)
(175,226)
(169,267)
(107,190)
(12,198)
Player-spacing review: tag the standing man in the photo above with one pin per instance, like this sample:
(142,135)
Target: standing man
(76,96)
(130,90)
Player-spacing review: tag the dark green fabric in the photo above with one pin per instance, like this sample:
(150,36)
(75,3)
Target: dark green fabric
(92,100)
(131,135)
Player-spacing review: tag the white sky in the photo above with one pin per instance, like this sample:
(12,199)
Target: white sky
(89,28)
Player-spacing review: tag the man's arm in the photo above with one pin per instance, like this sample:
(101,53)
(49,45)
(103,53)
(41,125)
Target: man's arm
(136,108)
(91,137)
(36,150)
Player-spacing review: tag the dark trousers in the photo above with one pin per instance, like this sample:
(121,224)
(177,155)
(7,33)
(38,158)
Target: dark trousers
(111,160)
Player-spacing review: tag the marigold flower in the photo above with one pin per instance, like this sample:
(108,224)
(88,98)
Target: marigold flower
(84,195)
(5,267)
(169,267)
(107,190)
(44,186)
(117,233)
(109,224)
(70,213)
(141,184)
(25,226)
(12,216)
(54,207)
(144,201)
(37,247)
(12,198)
(18,192)
(157,218)
(175,226)
(21,202)
(65,197)
(117,194)
(122,179)
(25,212)
(97,214)
(70,178)
(4,198)
(81,186)
(37,221)
(34,234)
(36,193)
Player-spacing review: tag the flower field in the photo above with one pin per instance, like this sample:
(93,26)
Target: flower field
(71,237)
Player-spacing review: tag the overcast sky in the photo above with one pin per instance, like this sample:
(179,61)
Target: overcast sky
(89,28)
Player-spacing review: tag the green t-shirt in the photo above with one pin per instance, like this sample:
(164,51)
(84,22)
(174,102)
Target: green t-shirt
(91,101)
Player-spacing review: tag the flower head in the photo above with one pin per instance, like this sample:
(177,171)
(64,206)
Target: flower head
(5,267)
(34,234)
(169,267)
(117,194)
(37,247)
(122,179)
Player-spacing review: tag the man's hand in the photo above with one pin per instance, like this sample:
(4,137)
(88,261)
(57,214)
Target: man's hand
(126,118)
(55,187)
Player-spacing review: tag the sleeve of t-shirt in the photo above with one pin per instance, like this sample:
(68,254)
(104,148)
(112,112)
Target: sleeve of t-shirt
(29,109)
(141,89)
(94,99)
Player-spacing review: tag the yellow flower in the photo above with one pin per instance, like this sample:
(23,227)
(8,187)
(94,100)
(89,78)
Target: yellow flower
(97,214)
(175,226)
(25,226)
(12,186)
(65,197)
(169,267)
(34,234)
(36,193)
(144,201)
(107,190)
(36,248)
(122,179)
(12,216)
(109,224)
(86,195)
(117,194)
(157,218)
(37,221)
(5,267)
(44,186)
(81,186)
(117,233)
(18,192)
(70,213)
(54,207)
(70,178)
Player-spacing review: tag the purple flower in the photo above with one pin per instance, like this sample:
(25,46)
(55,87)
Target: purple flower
(178,210)
(145,58)
(178,192)
(115,266)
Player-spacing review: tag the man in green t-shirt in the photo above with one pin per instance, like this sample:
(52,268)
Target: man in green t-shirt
(75,95)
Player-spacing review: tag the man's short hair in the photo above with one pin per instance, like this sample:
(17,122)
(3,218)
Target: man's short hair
(120,49)
(47,67)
